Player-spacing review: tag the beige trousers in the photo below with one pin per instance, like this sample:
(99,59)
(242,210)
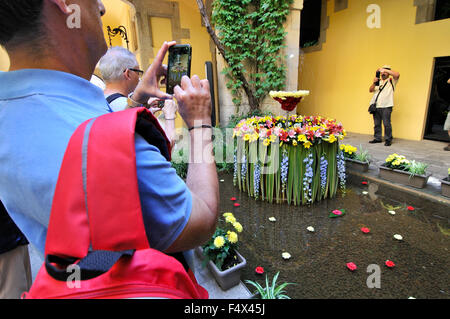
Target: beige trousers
(15,273)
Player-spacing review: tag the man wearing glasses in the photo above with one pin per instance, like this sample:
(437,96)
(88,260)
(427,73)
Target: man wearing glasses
(121,73)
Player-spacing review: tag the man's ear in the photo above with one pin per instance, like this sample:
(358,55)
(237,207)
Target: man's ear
(61,4)
(127,74)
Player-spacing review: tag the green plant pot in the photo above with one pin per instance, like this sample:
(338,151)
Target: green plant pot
(355,165)
(402,177)
(445,187)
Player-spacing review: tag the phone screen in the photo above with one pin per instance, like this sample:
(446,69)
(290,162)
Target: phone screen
(179,65)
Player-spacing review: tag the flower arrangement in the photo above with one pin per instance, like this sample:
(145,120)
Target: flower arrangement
(295,158)
(400,162)
(220,248)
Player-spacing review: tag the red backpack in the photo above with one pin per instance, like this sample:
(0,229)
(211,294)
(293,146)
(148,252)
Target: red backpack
(96,244)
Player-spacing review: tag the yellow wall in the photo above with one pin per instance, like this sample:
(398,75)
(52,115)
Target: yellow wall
(4,60)
(339,76)
(117,13)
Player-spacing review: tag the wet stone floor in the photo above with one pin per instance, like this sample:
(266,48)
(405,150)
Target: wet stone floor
(319,258)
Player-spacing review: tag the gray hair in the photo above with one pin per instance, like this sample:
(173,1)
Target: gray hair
(115,62)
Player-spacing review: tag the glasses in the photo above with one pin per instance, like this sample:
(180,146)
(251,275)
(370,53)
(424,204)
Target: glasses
(139,72)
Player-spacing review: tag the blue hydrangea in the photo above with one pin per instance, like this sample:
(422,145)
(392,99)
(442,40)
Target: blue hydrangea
(308,178)
(244,168)
(235,168)
(256,179)
(284,169)
(323,174)
(341,169)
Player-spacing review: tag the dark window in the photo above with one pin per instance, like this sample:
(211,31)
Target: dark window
(310,23)
(442,9)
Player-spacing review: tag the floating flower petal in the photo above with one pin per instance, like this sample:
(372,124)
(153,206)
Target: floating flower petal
(272,219)
(259,270)
(410,208)
(286,255)
(391,212)
(398,237)
(310,228)
(389,263)
(351,266)
(365,230)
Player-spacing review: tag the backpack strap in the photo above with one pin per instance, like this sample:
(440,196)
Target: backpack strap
(96,204)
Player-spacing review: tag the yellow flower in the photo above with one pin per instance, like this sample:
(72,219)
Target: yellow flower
(227,214)
(230,219)
(219,241)
(266,142)
(238,227)
(302,138)
(307,144)
(294,142)
(332,138)
(246,137)
(232,237)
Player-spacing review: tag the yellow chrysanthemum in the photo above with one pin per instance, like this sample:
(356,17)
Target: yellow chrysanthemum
(266,142)
(302,138)
(238,227)
(227,214)
(307,144)
(232,237)
(294,142)
(219,241)
(230,219)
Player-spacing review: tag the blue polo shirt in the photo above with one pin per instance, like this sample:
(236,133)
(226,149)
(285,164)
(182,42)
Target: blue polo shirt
(39,111)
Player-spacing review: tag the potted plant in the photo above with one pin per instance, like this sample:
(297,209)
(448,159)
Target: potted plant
(270,291)
(398,169)
(220,253)
(354,159)
(445,185)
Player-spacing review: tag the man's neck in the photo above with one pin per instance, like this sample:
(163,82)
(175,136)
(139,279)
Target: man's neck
(116,87)
(24,59)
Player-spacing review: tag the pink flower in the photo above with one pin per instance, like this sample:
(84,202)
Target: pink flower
(237,204)
(233,198)
(389,263)
(410,208)
(337,212)
(259,270)
(351,266)
(365,230)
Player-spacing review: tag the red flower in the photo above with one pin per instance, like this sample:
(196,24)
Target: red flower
(337,212)
(365,230)
(237,204)
(389,263)
(364,183)
(233,198)
(410,208)
(351,266)
(259,270)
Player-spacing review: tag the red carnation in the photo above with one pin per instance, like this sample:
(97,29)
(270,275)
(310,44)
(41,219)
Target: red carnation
(410,208)
(259,270)
(364,183)
(365,230)
(389,263)
(233,198)
(237,204)
(351,266)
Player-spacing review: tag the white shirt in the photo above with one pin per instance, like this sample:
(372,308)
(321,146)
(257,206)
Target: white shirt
(386,98)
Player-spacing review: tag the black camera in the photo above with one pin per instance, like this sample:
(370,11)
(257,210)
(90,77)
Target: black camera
(377,75)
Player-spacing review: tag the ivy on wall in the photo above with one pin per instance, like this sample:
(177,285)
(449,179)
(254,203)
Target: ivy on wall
(251,36)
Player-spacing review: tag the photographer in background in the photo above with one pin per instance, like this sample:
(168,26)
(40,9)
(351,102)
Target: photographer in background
(383,95)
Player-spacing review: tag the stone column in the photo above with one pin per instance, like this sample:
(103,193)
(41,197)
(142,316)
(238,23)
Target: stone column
(292,27)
